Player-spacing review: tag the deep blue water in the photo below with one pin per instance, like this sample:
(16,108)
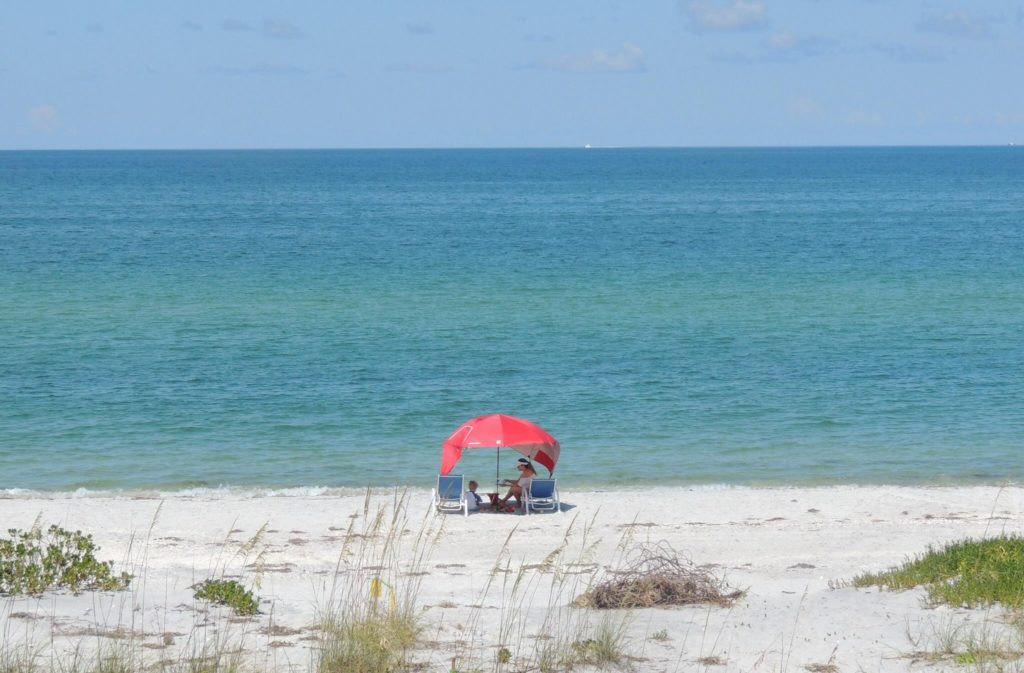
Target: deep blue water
(291,318)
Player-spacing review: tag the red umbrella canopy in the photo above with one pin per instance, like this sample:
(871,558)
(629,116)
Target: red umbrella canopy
(498,431)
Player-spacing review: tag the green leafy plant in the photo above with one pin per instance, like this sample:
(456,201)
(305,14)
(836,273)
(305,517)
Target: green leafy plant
(33,562)
(230,593)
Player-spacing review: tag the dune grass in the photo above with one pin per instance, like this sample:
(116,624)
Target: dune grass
(372,642)
(970,573)
(986,647)
(605,647)
(370,617)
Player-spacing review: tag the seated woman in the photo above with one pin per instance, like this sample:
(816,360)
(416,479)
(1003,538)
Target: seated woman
(519,486)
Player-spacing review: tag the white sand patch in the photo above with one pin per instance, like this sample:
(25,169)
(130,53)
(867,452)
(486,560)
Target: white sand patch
(782,545)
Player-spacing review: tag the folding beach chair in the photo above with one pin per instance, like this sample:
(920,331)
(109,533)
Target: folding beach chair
(450,494)
(542,496)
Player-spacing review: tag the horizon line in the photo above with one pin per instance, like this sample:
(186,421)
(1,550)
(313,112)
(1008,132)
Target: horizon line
(497,147)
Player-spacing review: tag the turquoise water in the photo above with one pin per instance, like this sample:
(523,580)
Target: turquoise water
(299,318)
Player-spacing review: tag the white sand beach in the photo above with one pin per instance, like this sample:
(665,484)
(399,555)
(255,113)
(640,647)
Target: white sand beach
(785,547)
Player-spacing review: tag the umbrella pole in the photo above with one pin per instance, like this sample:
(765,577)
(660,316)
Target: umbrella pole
(497,470)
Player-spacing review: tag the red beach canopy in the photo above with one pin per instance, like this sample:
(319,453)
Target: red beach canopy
(498,431)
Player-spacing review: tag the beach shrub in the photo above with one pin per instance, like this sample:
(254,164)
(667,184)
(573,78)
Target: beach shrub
(970,573)
(230,593)
(35,561)
(657,576)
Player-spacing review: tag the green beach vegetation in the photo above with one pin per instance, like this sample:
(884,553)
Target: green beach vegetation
(971,573)
(36,561)
(230,593)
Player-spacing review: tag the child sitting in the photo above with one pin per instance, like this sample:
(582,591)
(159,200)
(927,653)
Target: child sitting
(474,499)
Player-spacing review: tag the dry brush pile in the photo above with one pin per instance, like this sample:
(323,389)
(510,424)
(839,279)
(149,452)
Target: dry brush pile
(658,576)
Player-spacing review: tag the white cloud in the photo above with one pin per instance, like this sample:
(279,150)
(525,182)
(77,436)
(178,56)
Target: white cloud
(805,108)
(44,119)
(732,57)
(733,15)
(860,117)
(785,46)
(910,53)
(780,47)
(630,59)
(955,23)
(426,68)
(85,75)
(782,40)
(234,25)
(282,29)
(1009,118)
(419,28)
(261,69)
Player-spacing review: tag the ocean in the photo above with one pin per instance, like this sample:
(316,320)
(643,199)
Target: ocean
(303,319)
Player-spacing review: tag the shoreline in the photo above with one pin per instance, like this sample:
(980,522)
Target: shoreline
(790,549)
(256,491)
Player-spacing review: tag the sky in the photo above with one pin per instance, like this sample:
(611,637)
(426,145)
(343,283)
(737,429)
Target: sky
(125,74)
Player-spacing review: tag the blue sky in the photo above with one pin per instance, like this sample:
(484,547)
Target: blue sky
(314,73)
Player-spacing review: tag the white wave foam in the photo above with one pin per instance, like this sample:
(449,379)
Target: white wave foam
(233,492)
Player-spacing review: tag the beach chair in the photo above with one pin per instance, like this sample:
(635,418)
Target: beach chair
(542,496)
(450,494)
